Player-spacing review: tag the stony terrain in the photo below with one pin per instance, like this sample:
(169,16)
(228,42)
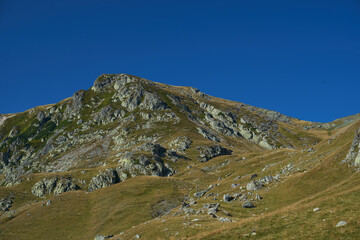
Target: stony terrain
(131,158)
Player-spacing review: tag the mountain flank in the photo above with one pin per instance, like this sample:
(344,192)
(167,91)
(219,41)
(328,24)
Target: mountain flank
(131,158)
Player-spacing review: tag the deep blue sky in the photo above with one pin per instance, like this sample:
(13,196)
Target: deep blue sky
(298,57)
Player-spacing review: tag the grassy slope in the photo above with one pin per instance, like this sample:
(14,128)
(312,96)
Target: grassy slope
(287,207)
(80,215)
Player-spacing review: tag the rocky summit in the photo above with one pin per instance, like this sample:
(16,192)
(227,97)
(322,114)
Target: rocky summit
(131,158)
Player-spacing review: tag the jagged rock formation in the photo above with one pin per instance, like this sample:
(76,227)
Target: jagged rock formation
(354,154)
(53,185)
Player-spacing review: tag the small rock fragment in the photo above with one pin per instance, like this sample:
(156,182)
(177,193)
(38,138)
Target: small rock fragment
(341,223)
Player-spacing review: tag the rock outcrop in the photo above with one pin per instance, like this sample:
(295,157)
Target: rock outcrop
(209,152)
(354,154)
(5,204)
(55,185)
(104,179)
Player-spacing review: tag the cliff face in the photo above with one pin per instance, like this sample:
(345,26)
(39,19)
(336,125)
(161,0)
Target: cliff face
(125,127)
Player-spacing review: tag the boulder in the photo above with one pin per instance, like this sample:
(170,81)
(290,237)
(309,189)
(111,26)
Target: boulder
(212,208)
(254,186)
(248,205)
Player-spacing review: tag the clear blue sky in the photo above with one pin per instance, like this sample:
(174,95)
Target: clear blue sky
(298,57)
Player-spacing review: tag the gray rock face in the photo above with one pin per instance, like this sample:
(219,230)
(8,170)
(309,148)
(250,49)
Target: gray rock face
(53,185)
(206,134)
(248,205)
(104,179)
(226,123)
(45,186)
(40,116)
(105,114)
(106,81)
(152,102)
(209,152)
(130,96)
(64,185)
(254,185)
(354,153)
(74,106)
(181,144)
(149,163)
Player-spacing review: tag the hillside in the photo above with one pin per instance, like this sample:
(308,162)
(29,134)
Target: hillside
(131,158)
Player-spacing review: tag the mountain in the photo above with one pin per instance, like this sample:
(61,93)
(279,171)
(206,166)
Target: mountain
(131,158)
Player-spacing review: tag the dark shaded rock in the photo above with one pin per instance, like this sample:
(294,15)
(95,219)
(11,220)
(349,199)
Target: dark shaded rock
(227,198)
(209,152)
(248,205)
(5,204)
(253,176)
(200,194)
